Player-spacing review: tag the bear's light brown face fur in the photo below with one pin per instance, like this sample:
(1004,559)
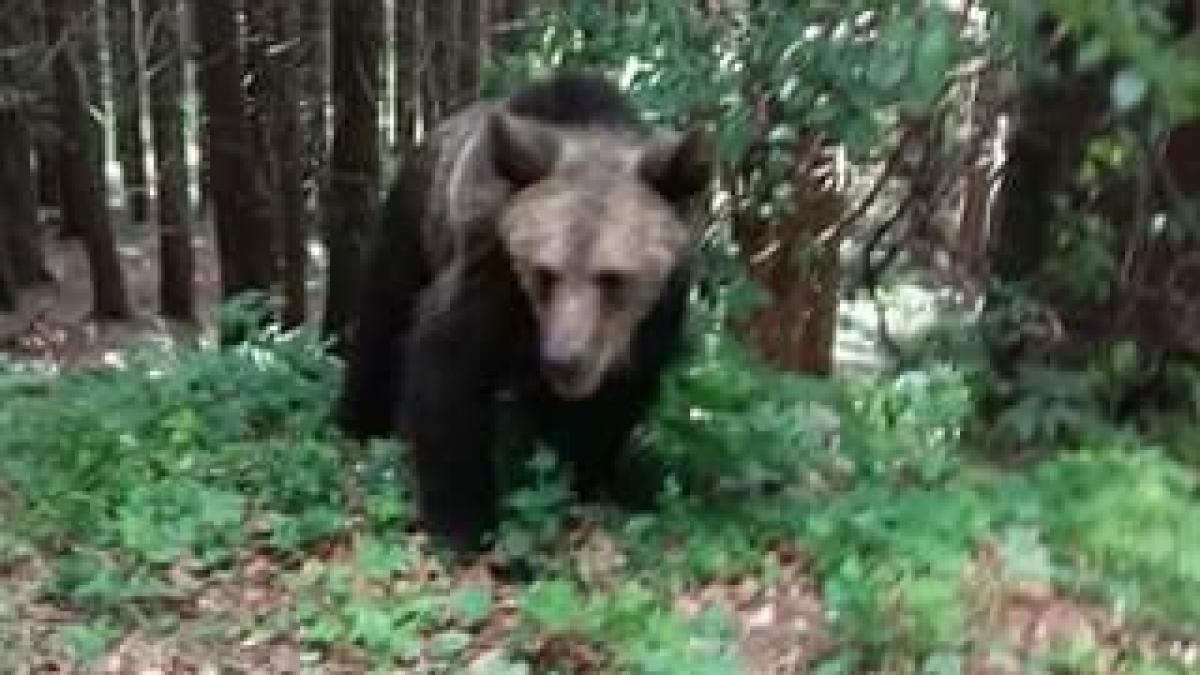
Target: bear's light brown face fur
(592,239)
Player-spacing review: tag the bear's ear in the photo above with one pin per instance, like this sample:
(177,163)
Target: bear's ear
(678,166)
(523,150)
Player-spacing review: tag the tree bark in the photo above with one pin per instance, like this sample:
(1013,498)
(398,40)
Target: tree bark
(408,74)
(87,41)
(82,190)
(18,186)
(470,47)
(129,65)
(49,181)
(8,285)
(45,144)
(176,290)
(316,85)
(796,330)
(18,200)
(8,281)
(502,18)
(1053,124)
(260,41)
(440,70)
(243,240)
(287,141)
(354,177)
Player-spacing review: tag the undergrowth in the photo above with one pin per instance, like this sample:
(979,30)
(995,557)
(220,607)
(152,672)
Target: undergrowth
(137,489)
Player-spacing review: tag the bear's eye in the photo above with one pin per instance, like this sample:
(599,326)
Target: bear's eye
(612,284)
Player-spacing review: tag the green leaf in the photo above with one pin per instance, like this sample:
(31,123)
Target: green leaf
(88,642)
(381,559)
(368,621)
(473,604)
(1093,53)
(450,643)
(931,61)
(934,50)
(555,605)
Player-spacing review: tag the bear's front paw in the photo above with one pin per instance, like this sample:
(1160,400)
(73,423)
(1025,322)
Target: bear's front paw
(459,532)
(631,482)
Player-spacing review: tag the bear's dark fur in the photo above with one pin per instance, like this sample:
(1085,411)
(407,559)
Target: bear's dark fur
(490,272)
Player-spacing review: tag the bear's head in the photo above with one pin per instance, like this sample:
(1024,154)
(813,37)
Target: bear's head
(594,229)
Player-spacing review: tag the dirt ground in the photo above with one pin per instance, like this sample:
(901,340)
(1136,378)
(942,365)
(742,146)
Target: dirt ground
(54,322)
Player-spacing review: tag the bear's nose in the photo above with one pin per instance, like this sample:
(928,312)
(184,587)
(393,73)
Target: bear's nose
(564,368)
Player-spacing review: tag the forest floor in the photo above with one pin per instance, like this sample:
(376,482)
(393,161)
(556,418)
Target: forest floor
(54,322)
(190,513)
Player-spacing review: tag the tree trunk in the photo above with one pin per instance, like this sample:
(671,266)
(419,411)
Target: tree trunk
(354,177)
(1053,123)
(502,18)
(796,330)
(49,181)
(441,35)
(243,240)
(8,281)
(45,143)
(504,11)
(408,74)
(18,201)
(82,190)
(1181,156)
(18,186)
(485,24)
(128,85)
(8,285)
(470,47)
(260,43)
(176,290)
(977,207)
(287,140)
(973,227)
(316,86)
(87,40)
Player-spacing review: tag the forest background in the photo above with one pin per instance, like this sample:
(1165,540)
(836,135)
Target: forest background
(942,414)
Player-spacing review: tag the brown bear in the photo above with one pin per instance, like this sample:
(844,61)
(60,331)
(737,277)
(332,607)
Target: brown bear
(536,246)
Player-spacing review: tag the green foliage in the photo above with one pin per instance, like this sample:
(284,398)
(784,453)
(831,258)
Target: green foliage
(1084,264)
(722,402)
(1158,666)
(1140,35)
(1049,405)
(645,637)
(142,484)
(893,544)
(335,608)
(1131,520)
(1047,401)
(535,513)
(87,642)
(1120,212)
(1154,66)
(810,59)
(765,80)
(139,486)
(171,456)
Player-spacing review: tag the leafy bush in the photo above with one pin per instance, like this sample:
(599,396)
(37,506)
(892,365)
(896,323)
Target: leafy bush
(142,484)
(1129,520)
(174,455)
